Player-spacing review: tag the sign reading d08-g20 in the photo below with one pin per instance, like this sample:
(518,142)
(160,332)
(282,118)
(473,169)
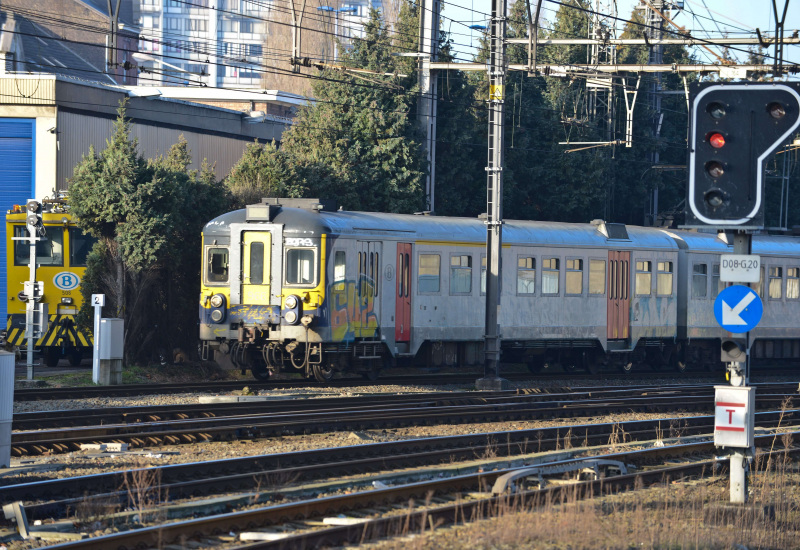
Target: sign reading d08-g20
(738,309)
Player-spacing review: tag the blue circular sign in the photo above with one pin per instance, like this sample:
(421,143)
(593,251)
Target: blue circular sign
(67,281)
(738,309)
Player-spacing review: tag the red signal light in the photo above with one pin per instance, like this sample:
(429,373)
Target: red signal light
(716,140)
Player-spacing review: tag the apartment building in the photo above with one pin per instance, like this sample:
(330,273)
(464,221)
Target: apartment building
(219,43)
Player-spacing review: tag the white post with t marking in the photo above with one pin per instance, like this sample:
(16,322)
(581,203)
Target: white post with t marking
(98,301)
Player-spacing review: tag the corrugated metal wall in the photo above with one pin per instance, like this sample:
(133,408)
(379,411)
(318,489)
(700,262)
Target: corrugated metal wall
(28,90)
(17,149)
(153,141)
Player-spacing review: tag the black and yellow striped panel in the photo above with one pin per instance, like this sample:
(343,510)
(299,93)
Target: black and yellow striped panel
(60,331)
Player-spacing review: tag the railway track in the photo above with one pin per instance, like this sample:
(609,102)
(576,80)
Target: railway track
(52,498)
(133,390)
(414,413)
(297,403)
(383,511)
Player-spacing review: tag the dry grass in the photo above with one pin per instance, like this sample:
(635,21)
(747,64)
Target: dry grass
(692,514)
(142,484)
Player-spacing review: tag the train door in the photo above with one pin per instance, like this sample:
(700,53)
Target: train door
(256,251)
(369,276)
(619,315)
(402,325)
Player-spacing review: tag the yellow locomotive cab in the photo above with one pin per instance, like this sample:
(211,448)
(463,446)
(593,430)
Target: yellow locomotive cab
(60,265)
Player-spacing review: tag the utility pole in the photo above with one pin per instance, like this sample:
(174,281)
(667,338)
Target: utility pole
(428,85)
(111,45)
(494,198)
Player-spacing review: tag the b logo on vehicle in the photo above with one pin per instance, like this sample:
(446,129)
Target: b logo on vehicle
(66,281)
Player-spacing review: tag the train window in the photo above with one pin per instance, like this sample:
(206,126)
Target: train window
(339,269)
(300,268)
(792,283)
(644,278)
(664,279)
(550,275)
(483,274)
(79,247)
(574,277)
(428,279)
(699,281)
(597,276)
(217,270)
(526,276)
(406,274)
(49,251)
(376,270)
(256,263)
(716,284)
(759,286)
(461,274)
(775,283)
(371,281)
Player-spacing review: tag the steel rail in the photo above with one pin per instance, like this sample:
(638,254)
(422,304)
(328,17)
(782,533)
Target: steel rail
(132,390)
(269,516)
(183,480)
(255,426)
(154,413)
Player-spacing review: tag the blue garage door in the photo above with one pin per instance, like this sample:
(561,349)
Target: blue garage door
(17,149)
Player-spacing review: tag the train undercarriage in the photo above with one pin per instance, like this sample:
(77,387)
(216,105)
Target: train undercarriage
(323,361)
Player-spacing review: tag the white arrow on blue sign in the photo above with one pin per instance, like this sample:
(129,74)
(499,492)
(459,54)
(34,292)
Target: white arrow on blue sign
(738,309)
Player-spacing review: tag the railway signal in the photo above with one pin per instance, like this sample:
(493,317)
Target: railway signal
(734,128)
(34,209)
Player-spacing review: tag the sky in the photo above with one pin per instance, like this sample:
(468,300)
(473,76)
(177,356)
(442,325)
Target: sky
(705,18)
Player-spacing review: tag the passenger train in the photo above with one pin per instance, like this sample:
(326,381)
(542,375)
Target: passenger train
(61,261)
(295,286)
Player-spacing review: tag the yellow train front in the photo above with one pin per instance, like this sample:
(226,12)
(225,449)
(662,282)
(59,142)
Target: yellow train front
(61,263)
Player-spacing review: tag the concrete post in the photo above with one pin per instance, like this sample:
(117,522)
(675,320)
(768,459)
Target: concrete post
(6,406)
(738,482)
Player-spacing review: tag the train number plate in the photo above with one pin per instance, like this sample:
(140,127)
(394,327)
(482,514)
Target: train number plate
(739,268)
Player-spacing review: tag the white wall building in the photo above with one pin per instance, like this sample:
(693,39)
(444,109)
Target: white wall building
(223,39)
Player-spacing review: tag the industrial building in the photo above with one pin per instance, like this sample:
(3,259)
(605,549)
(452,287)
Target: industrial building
(48,122)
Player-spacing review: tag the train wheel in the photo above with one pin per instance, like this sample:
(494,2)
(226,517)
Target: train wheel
(52,356)
(260,372)
(371,374)
(678,361)
(323,373)
(590,362)
(75,357)
(626,367)
(535,364)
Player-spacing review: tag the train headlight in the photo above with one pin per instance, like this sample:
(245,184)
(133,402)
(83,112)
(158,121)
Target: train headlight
(66,301)
(291,317)
(217,315)
(291,302)
(217,300)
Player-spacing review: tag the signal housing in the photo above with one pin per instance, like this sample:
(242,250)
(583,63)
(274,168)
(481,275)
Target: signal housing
(734,128)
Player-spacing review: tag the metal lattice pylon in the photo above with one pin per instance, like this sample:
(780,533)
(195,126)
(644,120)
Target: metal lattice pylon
(599,88)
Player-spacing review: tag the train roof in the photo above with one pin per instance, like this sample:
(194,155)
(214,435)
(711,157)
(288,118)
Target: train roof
(515,232)
(771,245)
(463,230)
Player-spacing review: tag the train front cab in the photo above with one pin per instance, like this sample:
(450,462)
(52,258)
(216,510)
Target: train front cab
(262,303)
(61,263)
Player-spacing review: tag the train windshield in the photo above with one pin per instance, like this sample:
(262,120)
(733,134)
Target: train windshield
(79,247)
(300,266)
(217,265)
(49,251)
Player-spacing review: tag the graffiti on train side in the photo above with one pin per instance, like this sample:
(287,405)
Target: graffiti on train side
(353,309)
